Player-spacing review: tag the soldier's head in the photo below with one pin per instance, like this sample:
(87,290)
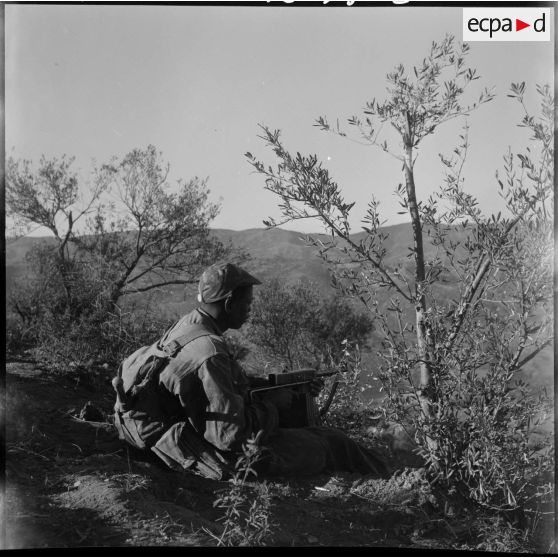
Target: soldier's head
(225,291)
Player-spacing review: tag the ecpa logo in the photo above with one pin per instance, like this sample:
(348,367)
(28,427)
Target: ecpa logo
(506,24)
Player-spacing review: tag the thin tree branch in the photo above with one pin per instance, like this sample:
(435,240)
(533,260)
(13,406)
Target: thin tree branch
(162,284)
(532,355)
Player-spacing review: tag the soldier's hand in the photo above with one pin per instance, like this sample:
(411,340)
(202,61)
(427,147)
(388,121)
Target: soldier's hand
(316,386)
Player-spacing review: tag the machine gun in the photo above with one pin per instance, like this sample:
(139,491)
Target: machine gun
(304,411)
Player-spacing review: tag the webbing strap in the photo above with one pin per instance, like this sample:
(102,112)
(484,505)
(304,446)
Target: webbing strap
(173,347)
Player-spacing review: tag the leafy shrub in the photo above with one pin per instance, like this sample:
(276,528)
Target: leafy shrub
(246,518)
(60,325)
(18,336)
(499,535)
(341,396)
(294,326)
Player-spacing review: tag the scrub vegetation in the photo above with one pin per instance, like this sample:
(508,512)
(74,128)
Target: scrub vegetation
(432,349)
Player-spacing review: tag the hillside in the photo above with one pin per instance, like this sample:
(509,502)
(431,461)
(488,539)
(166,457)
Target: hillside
(273,253)
(278,253)
(284,254)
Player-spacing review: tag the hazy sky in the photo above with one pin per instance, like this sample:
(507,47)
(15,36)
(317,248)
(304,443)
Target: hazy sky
(195,81)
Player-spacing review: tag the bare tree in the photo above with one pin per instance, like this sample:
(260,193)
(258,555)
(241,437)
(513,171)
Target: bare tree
(50,197)
(157,238)
(142,238)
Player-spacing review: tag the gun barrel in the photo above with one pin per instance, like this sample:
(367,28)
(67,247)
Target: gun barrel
(302,375)
(278,386)
(326,374)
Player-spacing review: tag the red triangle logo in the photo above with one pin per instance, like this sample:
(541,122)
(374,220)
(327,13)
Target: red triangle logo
(519,25)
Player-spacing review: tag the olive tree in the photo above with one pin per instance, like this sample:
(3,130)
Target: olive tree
(450,366)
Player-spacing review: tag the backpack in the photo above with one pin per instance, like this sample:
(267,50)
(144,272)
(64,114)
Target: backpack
(139,417)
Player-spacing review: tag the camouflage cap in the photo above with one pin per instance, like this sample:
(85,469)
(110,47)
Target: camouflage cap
(220,280)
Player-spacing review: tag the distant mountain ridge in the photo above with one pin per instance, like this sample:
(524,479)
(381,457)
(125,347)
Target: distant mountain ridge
(274,252)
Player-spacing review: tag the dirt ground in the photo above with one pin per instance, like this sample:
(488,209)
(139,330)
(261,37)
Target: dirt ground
(70,483)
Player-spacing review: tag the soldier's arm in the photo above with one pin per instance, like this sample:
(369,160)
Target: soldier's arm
(230,419)
(257,381)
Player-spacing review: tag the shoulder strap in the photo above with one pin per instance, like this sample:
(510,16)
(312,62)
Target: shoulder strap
(173,347)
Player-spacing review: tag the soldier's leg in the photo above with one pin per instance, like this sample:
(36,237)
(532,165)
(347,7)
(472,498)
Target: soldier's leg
(296,452)
(347,455)
(314,450)
(182,449)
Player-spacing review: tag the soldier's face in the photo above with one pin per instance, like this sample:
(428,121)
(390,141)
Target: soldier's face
(239,311)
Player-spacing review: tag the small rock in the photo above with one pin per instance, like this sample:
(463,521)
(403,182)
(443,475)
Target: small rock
(313,540)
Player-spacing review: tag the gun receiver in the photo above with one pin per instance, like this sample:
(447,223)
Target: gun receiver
(291,379)
(304,410)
